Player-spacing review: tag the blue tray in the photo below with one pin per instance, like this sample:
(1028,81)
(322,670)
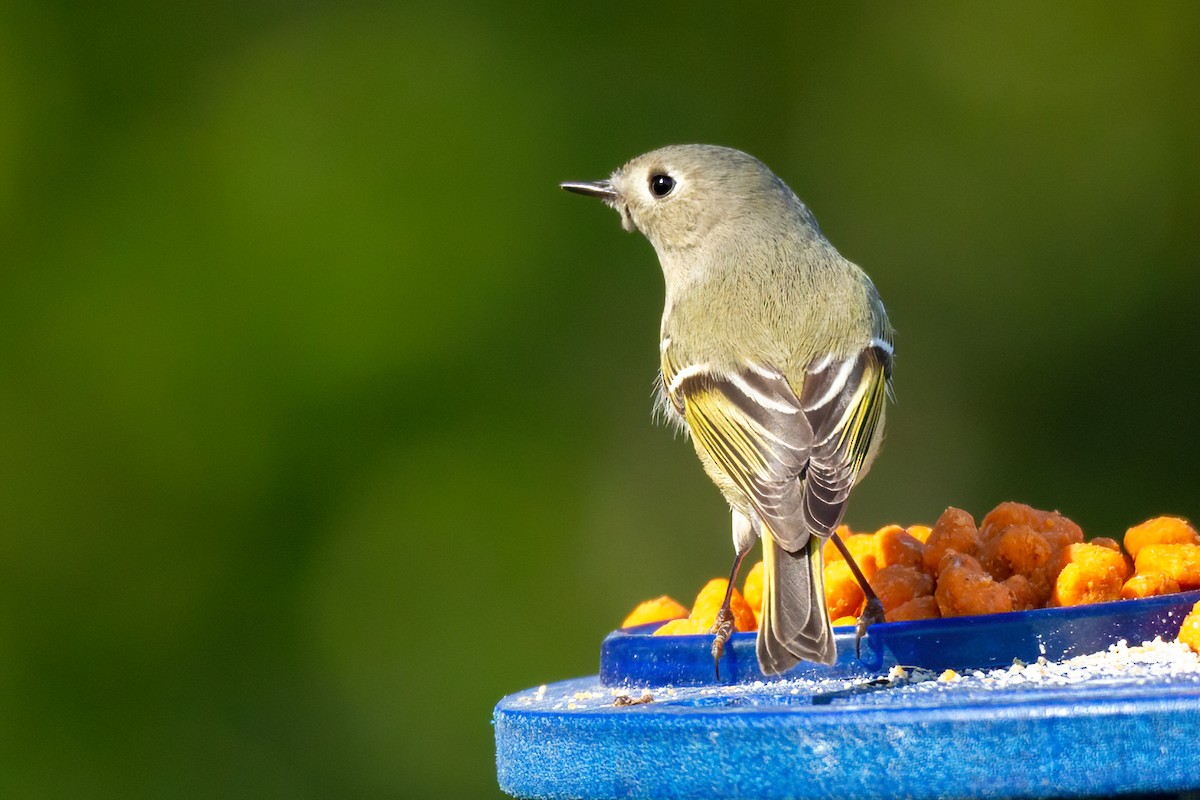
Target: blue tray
(844,731)
(634,657)
(811,739)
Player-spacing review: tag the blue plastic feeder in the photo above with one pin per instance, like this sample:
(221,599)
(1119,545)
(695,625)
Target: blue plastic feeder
(654,723)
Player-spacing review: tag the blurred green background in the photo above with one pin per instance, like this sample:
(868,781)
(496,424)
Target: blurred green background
(325,415)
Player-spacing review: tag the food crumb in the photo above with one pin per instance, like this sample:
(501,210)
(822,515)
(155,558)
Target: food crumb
(948,676)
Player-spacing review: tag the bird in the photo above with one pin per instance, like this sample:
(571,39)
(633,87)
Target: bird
(776,359)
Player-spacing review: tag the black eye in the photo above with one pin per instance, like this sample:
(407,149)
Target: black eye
(661,185)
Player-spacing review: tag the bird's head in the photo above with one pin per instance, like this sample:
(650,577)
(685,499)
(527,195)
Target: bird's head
(678,195)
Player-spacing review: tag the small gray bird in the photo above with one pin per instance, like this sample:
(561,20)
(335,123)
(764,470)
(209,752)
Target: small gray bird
(776,358)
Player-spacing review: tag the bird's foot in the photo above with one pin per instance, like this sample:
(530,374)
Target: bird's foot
(871,614)
(722,629)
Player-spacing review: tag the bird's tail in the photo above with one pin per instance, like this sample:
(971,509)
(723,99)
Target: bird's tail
(794,624)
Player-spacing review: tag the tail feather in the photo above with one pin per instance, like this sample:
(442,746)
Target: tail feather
(794,624)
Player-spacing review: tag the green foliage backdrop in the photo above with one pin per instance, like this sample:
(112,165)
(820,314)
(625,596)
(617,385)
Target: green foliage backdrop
(325,415)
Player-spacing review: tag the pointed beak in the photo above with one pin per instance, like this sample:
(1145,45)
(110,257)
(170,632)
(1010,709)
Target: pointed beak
(602,189)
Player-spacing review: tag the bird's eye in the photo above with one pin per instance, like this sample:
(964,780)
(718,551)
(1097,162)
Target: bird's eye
(661,185)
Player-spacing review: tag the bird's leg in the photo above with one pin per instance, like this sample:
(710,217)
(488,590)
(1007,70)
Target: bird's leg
(874,609)
(744,534)
(723,627)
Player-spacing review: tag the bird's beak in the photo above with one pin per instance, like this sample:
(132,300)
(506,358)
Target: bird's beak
(602,189)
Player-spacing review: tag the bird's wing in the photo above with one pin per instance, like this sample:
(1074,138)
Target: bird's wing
(751,424)
(794,457)
(844,402)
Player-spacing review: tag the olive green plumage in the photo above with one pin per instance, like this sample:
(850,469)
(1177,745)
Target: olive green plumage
(776,357)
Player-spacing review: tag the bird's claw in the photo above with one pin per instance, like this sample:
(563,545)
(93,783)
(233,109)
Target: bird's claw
(871,614)
(722,629)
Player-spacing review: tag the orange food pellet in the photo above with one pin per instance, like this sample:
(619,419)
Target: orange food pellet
(1025,593)
(1088,574)
(1007,514)
(1160,530)
(682,627)
(899,583)
(843,595)
(896,546)
(1181,562)
(656,610)
(917,608)
(1148,584)
(709,600)
(920,532)
(752,587)
(1189,632)
(964,589)
(1112,544)
(1015,550)
(862,550)
(829,551)
(953,558)
(955,530)
(1057,529)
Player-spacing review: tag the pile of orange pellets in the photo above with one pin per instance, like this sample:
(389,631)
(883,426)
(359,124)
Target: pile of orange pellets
(1018,558)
